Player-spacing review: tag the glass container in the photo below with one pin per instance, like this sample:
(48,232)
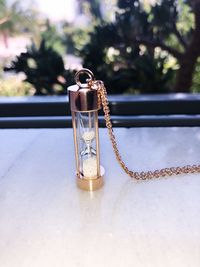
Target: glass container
(84,106)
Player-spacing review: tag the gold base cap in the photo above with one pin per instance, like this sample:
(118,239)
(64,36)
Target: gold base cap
(90,184)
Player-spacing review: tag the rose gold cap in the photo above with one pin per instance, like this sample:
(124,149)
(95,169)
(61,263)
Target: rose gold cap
(83,97)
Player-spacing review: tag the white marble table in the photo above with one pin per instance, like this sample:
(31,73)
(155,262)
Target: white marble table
(45,220)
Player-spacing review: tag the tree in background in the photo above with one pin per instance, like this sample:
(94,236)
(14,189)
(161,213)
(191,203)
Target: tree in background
(74,38)
(44,69)
(53,39)
(14,19)
(145,49)
(136,50)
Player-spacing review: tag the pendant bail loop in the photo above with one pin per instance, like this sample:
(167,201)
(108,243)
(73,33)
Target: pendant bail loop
(87,72)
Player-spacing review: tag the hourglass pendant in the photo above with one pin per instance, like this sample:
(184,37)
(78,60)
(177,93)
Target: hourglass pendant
(84,106)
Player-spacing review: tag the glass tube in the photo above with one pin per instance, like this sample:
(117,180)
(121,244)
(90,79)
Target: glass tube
(87,144)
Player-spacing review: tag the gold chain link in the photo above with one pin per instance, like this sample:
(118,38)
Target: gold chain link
(144,175)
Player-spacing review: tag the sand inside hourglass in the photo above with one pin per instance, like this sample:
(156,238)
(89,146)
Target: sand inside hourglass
(88,136)
(90,167)
(90,163)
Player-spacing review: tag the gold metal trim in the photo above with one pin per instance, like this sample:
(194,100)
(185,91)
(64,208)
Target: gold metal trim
(83,98)
(97,143)
(83,71)
(75,141)
(90,184)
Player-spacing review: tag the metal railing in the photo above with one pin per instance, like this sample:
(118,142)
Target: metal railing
(127,111)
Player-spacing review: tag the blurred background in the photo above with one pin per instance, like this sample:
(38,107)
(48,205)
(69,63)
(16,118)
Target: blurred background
(134,46)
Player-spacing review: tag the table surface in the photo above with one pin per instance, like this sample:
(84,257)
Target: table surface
(45,220)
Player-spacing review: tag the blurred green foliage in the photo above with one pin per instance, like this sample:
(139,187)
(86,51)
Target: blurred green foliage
(52,38)
(74,38)
(15,87)
(196,79)
(125,67)
(141,50)
(44,69)
(15,19)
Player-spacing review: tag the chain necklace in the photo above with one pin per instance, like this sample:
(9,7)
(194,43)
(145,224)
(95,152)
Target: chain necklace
(143,175)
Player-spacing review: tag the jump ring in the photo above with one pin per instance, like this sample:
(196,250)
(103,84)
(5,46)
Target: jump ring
(83,71)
